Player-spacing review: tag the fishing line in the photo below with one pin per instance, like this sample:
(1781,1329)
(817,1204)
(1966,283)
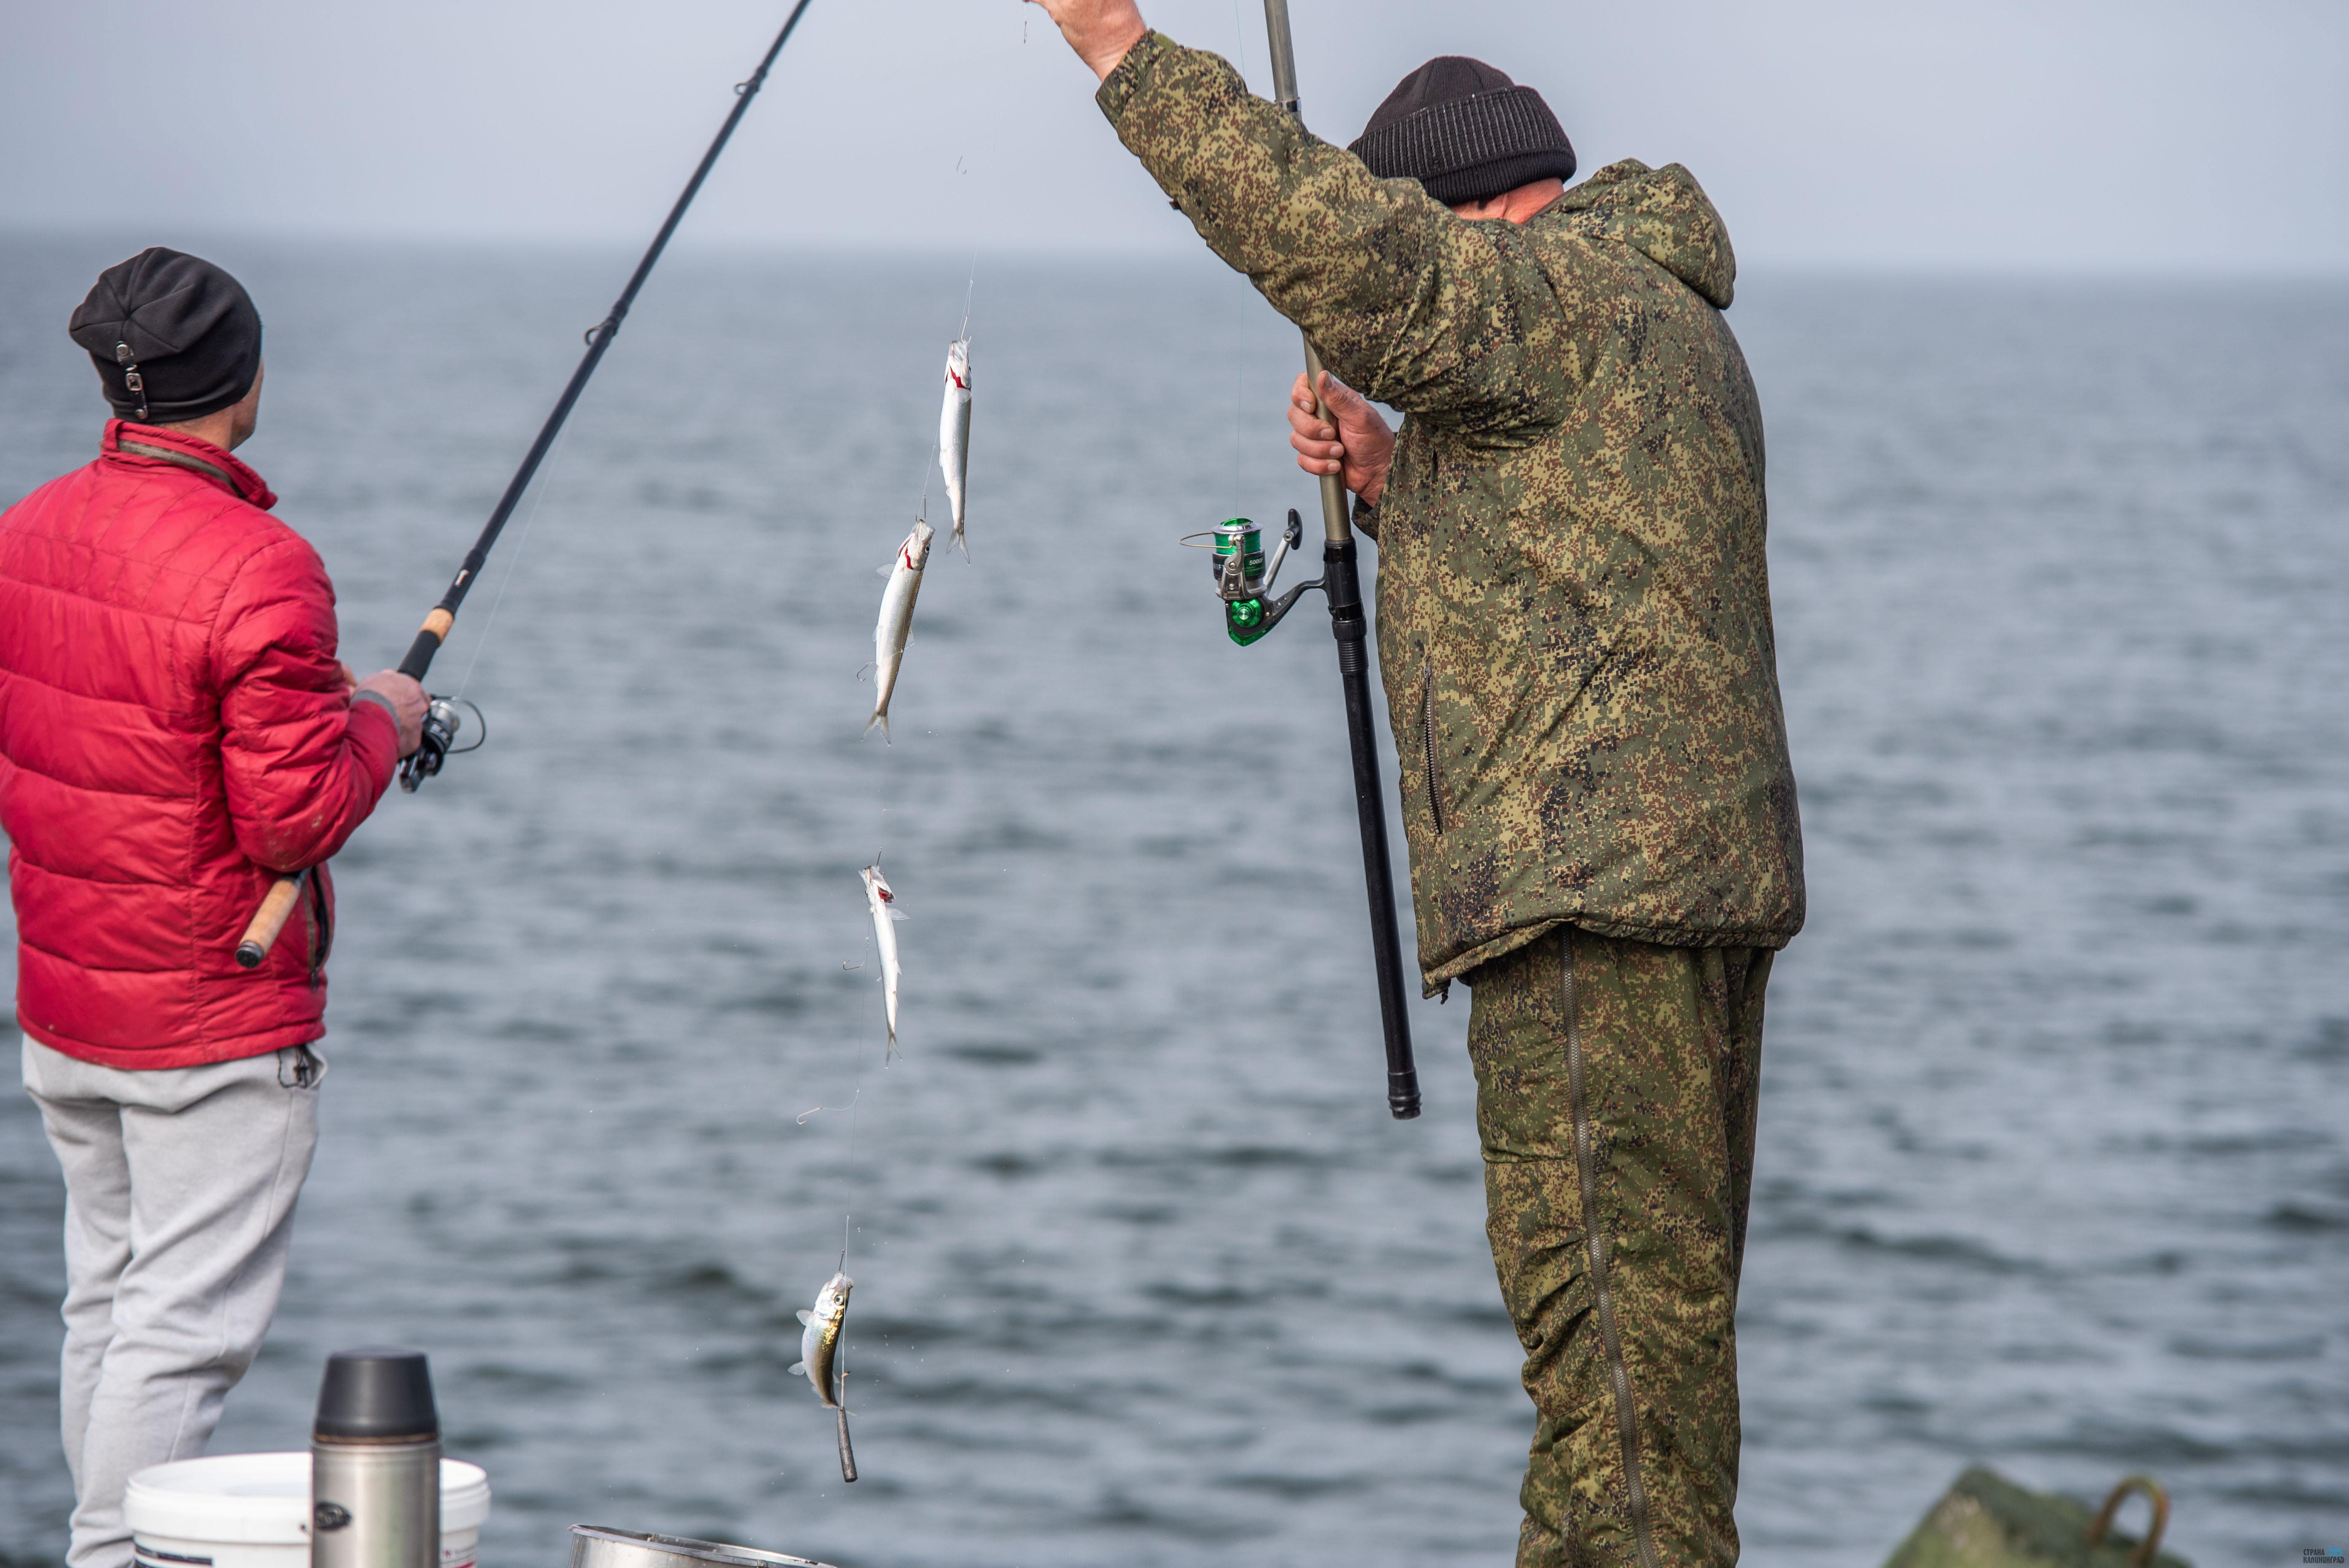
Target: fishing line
(514,557)
(849,1182)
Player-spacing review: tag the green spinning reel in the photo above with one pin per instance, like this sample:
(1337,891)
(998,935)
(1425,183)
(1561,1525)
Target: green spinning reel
(1244,577)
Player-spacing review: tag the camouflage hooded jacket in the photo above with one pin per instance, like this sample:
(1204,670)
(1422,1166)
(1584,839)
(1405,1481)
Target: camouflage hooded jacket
(1573,603)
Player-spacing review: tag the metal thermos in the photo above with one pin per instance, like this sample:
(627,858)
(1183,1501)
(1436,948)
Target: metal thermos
(375,1463)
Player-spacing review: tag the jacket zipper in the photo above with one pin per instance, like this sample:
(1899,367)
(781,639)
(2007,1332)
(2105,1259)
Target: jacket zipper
(1627,1419)
(1427,741)
(322,925)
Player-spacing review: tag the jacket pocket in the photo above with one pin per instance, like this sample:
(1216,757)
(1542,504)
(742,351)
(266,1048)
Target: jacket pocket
(1427,744)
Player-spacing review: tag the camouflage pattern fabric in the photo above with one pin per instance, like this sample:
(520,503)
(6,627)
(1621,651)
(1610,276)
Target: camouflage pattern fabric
(1573,605)
(1615,1095)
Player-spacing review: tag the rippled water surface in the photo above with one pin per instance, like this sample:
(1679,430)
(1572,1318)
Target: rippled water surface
(2051,1168)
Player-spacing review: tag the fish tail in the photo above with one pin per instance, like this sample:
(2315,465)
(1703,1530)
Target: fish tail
(961,544)
(883,720)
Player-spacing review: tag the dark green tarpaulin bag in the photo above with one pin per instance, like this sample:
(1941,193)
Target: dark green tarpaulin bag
(1988,1521)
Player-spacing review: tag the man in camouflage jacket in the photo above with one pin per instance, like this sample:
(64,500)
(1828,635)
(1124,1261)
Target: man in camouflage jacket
(1574,626)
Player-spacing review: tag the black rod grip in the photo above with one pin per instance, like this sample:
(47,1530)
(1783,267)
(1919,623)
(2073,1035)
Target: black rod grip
(1352,632)
(419,661)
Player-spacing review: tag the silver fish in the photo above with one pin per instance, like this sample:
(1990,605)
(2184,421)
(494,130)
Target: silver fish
(954,432)
(896,621)
(820,1359)
(820,1340)
(886,915)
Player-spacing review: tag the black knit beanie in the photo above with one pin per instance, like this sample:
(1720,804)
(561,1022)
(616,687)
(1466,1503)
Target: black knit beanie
(173,336)
(1465,132)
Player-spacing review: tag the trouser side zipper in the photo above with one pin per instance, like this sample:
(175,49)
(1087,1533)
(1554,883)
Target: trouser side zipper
(1427,742)
(1594,1238)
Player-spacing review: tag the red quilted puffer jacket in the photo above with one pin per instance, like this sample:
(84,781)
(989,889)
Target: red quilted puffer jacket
(174,732)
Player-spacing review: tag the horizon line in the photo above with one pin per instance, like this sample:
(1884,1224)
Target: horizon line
(1763,265)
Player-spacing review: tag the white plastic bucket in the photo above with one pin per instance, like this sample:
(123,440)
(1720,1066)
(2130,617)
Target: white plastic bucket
(252,1511)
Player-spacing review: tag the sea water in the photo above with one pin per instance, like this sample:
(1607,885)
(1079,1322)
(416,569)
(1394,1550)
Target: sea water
(2051,1170)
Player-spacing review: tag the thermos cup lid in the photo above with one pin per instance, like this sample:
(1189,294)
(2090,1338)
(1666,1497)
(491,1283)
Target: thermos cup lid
(377,1394)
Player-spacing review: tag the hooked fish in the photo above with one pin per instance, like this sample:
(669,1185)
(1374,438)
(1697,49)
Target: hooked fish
(886,915)
(954,432)
(820,1339)
(820,1356)
(896,621)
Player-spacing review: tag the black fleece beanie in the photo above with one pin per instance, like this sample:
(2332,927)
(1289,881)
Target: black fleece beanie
(173,336)
(1465,132)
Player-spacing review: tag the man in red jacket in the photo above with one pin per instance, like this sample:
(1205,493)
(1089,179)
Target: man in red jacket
(175,733)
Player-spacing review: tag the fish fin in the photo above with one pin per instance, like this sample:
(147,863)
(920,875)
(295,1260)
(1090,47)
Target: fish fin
(897,914)
(883,720)
(799,1368)
(962,544)
(885,571)
(806,1314)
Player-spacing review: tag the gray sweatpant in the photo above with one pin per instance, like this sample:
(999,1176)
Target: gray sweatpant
(180,1189)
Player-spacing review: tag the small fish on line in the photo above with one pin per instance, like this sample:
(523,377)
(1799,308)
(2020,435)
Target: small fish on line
(820,1358)
(954,433)
(883,900)
(896,621)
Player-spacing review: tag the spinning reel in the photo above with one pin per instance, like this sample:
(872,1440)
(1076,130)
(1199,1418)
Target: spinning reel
(1243,576)
(441,724)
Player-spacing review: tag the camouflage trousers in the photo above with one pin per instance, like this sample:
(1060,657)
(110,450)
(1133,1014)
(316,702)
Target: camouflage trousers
(1615,1096)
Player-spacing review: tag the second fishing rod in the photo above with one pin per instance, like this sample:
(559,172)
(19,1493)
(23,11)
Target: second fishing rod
(1243,578)
(441,722)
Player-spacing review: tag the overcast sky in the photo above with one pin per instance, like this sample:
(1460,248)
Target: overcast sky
(2022,135)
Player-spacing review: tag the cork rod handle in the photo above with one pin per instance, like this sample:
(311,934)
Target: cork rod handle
(269,920)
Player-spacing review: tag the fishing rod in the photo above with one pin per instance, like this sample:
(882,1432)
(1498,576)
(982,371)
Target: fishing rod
(440,720)
(1243,581)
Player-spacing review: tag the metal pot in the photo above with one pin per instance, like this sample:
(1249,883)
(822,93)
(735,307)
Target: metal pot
(593,1546)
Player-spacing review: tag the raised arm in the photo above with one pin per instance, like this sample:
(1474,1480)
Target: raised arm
(1411,304)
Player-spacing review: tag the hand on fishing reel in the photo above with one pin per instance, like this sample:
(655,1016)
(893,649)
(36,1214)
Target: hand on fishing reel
(441,724)
(1242,577)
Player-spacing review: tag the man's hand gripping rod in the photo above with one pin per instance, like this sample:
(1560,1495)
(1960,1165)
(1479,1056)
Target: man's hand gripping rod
(1342,582)
(440,720)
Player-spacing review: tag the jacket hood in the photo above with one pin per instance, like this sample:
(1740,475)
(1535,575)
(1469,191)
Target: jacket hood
(1661,214)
